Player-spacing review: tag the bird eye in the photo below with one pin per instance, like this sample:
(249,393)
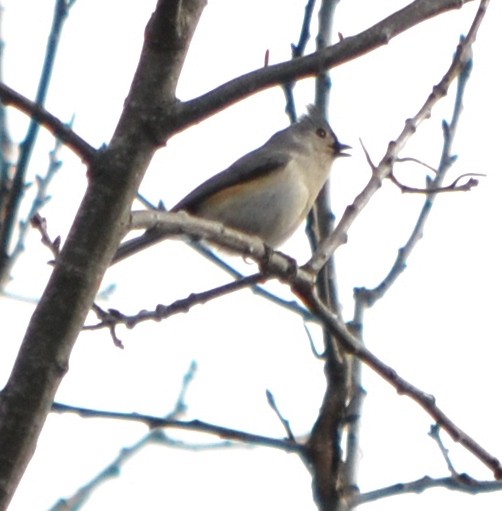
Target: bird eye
(321,132)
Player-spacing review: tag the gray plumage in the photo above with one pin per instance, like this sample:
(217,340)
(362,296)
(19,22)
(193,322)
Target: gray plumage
(269,191)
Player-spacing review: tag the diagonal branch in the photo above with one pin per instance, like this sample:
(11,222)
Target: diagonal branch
(192,425)
(301,281)
(49,121)
(197,109)
(112,317)
(178,117)
(367,297)
(114,177)
(403,387)
(339,235)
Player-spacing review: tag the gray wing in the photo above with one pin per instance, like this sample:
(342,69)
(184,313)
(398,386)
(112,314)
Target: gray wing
(255,164)
(252,165)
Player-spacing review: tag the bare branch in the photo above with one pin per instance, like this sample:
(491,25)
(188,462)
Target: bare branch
(302,282)
(298,50)
(58,128)
(112,317)
(325,463)
(339,235)
(271,262)
(290,305)
(453,187)
(40,224)
(108,323)
(434,434)
(41,198)
(284,422)
(113,469)
(463,483)
(194,425)
(114,177)
(17,185)
(367,297)
(416,160)
(187,113)
(426,401)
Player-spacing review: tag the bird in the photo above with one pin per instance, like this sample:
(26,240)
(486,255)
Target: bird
(267,192)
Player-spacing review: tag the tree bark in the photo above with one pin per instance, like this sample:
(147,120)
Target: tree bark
(113,178)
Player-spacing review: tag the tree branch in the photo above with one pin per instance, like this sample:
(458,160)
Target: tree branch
(114,176)
(426,401)
(325,444)
(112,317)
(16,192)
(94,236)
(463,483)
(367,297)
(290,305)
(339,236)
(190,112)
(302,281)
(155,436)
(179,116)
(193,425)
(50,122)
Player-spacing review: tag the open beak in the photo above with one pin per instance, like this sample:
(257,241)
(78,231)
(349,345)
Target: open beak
(342,147)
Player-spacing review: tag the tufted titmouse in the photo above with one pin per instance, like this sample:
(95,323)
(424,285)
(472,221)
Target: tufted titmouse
(269,191)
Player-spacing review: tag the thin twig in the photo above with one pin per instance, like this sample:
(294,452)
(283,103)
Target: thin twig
(302,280)
(426,401)
(434,433)
(367,297)
(298,50)
(180,405)
(50,122)
(112,317)
(40,224)
(313,348)
(41,198)
(289,305)
(16,191)
(431,190)
(193,425)
(284,422)
(6,145)
(339,235)
(416,160)
(463,484)
(156,436)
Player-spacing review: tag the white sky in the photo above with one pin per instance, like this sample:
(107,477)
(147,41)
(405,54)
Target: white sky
(438,326)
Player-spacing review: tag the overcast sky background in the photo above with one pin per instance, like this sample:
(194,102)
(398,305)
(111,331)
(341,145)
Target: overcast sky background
(438,326)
